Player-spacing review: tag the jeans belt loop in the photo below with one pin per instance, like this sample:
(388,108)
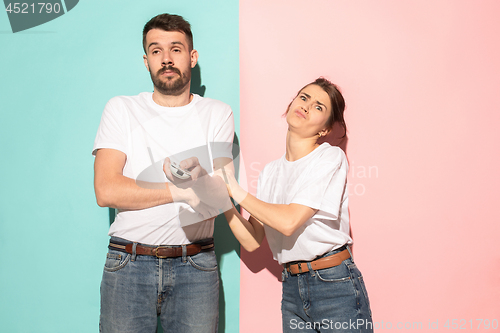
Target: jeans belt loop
(313,274)
(184,253)
(134,254)
(286,267)
(349,249)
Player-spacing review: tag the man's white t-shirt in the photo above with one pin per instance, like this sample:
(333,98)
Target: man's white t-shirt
(148,133)
(317,180)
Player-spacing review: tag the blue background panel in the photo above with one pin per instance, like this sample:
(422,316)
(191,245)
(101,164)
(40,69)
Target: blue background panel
(55,80)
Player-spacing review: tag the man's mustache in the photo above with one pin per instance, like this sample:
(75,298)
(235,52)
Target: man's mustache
(169,68)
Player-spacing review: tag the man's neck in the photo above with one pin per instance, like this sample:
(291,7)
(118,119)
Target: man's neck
(172,101)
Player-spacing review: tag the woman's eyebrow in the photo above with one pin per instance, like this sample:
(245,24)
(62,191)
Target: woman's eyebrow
(317,102)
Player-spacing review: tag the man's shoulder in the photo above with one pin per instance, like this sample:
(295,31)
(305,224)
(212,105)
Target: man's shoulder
(132,104)
(211,103)
(127,99)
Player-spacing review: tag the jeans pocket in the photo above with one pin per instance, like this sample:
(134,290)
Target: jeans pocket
(359,285)
(115,261)
(365,293)
(204,261)
(338,273)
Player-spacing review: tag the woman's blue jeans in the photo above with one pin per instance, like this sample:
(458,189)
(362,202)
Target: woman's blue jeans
(327,300)
(183,292)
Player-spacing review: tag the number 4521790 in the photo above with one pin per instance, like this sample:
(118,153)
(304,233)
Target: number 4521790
(38,8)
(462,324)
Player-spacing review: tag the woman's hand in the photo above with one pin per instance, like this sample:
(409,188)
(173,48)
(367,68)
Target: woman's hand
(235,190)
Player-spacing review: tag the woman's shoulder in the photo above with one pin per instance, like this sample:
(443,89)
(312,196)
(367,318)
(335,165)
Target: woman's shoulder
(271,168)
(330,153)
(273,165)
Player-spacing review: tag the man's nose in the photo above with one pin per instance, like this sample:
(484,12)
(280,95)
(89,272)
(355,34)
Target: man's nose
(167,60)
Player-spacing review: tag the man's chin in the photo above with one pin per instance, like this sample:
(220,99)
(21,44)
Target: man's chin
(172,90)
(171,85)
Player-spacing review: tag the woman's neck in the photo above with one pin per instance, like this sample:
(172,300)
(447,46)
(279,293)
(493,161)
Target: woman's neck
(298,147)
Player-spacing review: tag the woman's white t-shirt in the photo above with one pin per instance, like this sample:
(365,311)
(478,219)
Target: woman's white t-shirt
(317,180)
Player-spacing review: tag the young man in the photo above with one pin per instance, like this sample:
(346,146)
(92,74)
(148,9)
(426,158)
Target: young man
(161,260)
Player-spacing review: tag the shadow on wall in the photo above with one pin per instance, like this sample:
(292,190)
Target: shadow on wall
(262,258)
(336,138)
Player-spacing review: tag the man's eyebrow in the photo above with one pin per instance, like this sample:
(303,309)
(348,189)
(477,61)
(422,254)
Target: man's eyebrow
(153,43)
(173,43)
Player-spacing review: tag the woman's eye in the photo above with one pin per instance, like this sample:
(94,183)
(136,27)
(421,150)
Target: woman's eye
(303,98)
(319,108)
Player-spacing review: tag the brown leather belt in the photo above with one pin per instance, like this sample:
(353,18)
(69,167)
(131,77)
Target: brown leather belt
(325,262)
(163,251)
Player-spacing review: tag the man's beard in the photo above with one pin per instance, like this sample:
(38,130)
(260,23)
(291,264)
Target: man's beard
(172,87)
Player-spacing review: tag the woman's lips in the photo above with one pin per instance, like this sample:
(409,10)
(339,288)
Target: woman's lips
(300,114)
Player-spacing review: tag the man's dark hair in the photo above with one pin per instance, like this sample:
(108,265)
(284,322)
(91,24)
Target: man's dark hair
(168,22)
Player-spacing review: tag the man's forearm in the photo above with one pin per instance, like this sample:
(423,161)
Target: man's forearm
(125,193)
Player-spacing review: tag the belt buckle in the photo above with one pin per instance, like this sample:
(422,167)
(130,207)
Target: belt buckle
(155,251)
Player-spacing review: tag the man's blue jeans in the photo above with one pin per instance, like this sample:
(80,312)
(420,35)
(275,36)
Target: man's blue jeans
(183,291)
(327,300)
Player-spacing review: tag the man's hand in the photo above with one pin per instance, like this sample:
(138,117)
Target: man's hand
(181,183)
(210,191)
(205,211)
(193,165)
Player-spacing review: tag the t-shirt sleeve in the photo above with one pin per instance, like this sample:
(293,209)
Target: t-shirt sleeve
(224,135)
(111,131)
(322,187)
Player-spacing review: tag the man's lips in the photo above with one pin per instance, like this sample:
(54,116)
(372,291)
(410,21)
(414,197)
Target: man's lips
(169,71)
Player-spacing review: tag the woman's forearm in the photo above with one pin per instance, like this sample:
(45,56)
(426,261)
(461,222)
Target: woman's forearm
(249,233)
(283,218)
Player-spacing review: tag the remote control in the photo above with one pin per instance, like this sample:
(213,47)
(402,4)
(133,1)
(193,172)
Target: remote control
(178,172)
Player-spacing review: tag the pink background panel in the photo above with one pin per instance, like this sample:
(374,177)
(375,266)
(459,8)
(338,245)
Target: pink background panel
(422,81)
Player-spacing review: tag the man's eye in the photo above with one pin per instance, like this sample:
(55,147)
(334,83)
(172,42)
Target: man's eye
(176,50)
(155,52)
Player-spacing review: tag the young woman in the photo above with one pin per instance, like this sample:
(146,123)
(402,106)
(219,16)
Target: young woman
(302,208)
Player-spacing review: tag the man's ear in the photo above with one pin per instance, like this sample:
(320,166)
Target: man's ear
(194,58)
(145,57)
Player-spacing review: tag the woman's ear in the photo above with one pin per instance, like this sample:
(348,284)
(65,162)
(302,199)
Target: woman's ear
(323,132)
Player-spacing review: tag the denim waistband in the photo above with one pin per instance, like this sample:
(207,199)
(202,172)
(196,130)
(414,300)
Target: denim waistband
(122,241)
